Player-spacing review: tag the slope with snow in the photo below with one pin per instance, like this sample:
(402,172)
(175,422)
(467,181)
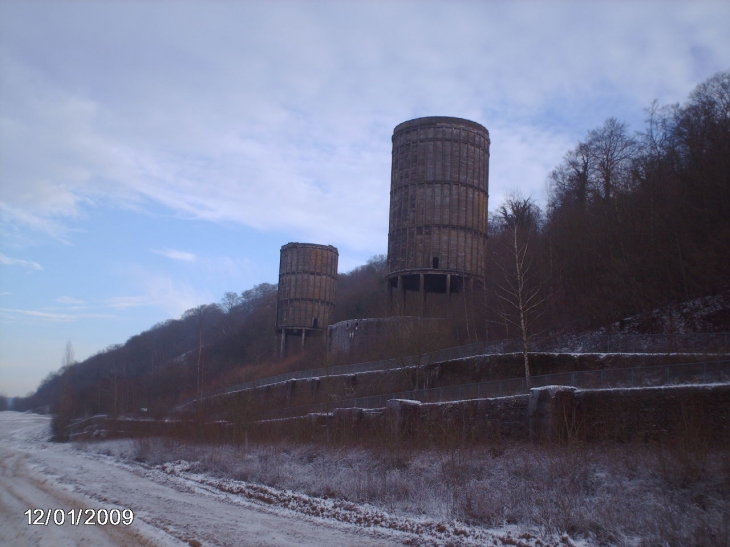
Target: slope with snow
(175,506)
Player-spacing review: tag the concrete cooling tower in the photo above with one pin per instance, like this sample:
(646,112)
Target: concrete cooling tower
(438,206)
(306,297)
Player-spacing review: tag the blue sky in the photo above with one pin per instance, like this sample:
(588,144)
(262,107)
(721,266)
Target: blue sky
(154,155)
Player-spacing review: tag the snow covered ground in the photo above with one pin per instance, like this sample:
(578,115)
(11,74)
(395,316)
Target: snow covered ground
(283,494)
(173,505)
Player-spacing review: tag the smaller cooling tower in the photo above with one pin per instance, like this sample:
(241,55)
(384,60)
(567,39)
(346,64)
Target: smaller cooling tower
(307,284)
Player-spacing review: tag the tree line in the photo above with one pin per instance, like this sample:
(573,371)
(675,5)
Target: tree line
(208,347)
(640,220)
(634,221)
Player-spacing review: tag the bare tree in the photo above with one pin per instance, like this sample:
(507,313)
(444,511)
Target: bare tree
(64,410)
(68,355)
(569,182)
(229,301)
(521,291)
(611,152)
(199,370)
(204,316)
(597,168)
(411,341)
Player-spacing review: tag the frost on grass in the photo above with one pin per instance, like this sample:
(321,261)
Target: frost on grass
(597,495)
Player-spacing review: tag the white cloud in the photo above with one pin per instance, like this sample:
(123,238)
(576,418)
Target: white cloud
(520,158)
(15,219)
(176,255)
(161,291)
(69,300)
(9,261)
(54,317)
(125,302)
(225,267)
(281,119)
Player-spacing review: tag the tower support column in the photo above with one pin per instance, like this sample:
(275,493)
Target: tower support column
(282,345)
(402,289)
(422,291)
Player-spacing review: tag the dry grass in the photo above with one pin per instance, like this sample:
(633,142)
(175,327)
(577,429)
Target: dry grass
(632,495)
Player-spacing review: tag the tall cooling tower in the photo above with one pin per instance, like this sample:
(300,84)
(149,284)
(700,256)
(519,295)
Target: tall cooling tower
(438,205)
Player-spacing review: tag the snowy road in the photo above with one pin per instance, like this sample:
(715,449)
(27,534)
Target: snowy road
(169,510)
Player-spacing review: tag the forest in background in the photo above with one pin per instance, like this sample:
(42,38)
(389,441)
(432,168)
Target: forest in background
(634,221)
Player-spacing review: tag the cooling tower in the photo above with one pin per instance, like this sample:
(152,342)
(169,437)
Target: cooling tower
(438,205)
(307,284)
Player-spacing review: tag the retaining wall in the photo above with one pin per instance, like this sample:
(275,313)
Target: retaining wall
(547,414)
(328,389)
(694,415)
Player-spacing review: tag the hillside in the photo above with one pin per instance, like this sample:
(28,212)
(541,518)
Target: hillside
(635,238)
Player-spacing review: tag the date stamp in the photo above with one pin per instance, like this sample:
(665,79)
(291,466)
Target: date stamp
(76,517)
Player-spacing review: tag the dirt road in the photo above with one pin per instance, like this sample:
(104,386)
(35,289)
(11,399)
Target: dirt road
(168,511)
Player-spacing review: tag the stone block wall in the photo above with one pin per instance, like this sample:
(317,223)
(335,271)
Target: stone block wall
(687,416)
(676,414)
(698,413)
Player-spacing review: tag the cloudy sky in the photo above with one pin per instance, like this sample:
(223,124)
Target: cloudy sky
(154,155)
